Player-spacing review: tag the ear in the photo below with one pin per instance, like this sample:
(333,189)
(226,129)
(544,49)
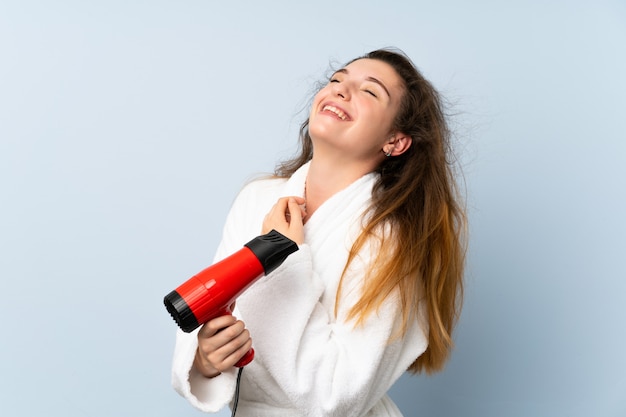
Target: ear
(399,143)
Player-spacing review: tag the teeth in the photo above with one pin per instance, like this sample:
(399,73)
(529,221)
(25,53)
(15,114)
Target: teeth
(335,110)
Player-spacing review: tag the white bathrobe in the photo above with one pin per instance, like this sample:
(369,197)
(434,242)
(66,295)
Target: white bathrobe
(308,362)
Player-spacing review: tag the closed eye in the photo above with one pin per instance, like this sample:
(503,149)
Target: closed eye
(371,93)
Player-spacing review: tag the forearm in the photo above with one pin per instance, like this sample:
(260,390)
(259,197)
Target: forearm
(206,394)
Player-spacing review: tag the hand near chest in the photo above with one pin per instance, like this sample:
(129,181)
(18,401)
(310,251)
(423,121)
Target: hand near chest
(287,217)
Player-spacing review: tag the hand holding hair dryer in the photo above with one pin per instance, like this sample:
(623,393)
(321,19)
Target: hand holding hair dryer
(211,292)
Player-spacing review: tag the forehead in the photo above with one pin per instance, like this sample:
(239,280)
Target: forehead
(374,68)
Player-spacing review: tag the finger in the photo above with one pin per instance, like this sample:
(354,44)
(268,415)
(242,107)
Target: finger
(283,203)
(228,354)
(239,353)
(234,343)
(299,200)
(220,345)
(276,218)
(235,351)
(278,212)
(295,211)
(213,326)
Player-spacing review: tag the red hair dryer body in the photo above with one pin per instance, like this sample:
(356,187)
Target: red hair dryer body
(211,292)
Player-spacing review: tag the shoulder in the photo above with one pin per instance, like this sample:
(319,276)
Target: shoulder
(247,211)
(258,195)
(261,187)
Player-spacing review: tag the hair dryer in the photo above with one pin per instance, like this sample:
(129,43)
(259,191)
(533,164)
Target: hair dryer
(211,292)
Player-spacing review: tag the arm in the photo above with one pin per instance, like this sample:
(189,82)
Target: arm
(188,379)
(324,364)
(206,394)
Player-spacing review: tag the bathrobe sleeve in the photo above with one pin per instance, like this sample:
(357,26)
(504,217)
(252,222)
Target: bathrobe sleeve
(210,394)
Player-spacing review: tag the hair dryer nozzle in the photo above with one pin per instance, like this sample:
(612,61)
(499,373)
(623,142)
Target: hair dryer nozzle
(180,312)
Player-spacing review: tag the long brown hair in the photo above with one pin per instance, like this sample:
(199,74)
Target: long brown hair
(416,202)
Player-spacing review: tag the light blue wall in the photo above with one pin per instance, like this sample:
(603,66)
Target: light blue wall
(126,128)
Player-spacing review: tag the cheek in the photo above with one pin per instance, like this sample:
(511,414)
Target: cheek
(377,119)
(386,117)
(317,99)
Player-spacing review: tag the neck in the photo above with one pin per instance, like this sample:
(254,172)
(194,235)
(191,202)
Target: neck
(325,178)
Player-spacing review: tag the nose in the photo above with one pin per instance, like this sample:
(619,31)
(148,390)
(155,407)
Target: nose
(342,90)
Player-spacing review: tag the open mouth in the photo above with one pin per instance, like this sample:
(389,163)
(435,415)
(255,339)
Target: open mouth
(338,112)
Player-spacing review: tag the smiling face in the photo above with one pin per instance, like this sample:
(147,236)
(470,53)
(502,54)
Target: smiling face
(354,113)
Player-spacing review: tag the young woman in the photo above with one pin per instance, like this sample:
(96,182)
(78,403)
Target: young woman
(375,287)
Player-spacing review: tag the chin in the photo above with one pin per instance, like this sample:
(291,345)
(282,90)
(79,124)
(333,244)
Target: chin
(318,131)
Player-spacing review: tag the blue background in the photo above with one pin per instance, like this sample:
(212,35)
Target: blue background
(127,127)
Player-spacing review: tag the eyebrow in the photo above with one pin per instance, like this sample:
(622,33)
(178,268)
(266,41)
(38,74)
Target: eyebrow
(372,79)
